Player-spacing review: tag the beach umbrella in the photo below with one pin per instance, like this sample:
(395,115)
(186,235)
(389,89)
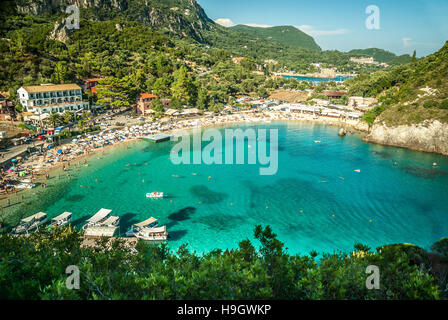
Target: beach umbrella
(14,160)
(59,151)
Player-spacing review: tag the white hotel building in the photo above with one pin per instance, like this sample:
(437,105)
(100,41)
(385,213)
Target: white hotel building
(51,98)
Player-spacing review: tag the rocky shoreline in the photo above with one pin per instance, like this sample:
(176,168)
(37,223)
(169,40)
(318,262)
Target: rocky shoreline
(428,136)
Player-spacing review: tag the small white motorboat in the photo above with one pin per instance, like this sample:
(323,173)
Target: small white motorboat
(154,195)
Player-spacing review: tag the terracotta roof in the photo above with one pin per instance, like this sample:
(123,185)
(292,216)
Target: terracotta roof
(147,96)
(51,87)
(334,93)
(93,80)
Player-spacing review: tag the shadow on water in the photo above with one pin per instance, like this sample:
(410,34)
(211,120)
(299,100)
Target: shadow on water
(382,154)
(206,195)
(78,223)
(75,198)
(182,214)
(171,224)
(128,219)
(220,222)
(423,172)
(177,235)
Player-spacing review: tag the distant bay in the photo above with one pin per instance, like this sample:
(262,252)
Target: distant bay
(318,80)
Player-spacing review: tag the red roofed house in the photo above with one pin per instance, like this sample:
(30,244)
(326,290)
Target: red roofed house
(144,102)
(237,59)
(90,84)
(7,111)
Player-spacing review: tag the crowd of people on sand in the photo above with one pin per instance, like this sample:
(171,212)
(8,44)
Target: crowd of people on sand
(23,172)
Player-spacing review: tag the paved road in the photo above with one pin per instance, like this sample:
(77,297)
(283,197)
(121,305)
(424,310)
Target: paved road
(14,151)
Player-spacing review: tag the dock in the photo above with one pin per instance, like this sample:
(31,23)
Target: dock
(156,138)
(94,243)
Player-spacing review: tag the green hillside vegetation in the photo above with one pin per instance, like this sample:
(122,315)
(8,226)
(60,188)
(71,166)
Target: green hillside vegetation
(409,93)
(381,55)
(34,267)
(285,35)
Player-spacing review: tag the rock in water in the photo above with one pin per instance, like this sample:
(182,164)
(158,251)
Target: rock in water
(342,132)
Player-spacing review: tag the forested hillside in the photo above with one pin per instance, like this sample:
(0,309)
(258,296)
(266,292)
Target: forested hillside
(381,55)
(408,93)
(34,42)
(288,36)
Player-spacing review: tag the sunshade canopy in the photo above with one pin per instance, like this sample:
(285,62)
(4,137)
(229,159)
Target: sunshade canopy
(110,220)
(100,215)
(146,222)
(63,216)
(36,216)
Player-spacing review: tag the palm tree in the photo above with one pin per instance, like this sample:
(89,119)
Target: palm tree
(68,116)
(55,119)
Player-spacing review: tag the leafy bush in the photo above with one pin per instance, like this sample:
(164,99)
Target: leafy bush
(431,104)
(34,268)
(444,104)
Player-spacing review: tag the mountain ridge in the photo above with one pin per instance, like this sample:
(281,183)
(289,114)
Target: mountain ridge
(286,35)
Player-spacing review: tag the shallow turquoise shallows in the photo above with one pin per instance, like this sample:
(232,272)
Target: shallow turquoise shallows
(316,201)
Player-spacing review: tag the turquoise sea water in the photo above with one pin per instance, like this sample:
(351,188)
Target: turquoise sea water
(318,80)
(399,190)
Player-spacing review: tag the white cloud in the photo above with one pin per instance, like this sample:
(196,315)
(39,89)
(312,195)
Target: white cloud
(225,22)
(406,42)
(313,32)
(258,25)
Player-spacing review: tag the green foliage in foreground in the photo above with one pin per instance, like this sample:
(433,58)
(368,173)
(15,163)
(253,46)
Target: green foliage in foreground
(34,268)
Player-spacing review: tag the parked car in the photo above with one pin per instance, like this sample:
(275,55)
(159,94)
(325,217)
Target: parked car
(41,138)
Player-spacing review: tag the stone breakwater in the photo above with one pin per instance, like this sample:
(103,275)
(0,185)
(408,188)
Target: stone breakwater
(428,136)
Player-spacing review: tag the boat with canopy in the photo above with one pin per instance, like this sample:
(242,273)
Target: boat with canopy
(30,223)
(152,234)
(97,220)
(151,222)
(61,220)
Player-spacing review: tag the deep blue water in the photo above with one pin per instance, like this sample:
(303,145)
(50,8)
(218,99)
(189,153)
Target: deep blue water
(316,201)
(318,80)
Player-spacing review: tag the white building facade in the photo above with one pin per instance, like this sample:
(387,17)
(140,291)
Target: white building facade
(51,98)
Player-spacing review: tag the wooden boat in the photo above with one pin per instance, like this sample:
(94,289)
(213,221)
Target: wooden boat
(97,219)
(151,222)
(152,234)
(61,220)
(30,223)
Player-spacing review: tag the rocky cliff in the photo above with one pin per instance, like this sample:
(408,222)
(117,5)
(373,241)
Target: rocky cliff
(428,136)
(184,18)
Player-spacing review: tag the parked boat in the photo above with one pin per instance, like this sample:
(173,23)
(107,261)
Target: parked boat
(151,223)
(154,195)
(60,220)
(30,223)
(152,234)
(112,221)
(97,220)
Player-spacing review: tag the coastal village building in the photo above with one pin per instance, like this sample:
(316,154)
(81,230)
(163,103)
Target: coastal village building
(144,102)
(369,60)
(362,103)
(237,59)
(90,84)
(334,94)
(7,110)
(51,98)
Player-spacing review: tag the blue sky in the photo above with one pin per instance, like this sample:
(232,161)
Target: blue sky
(404,25)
